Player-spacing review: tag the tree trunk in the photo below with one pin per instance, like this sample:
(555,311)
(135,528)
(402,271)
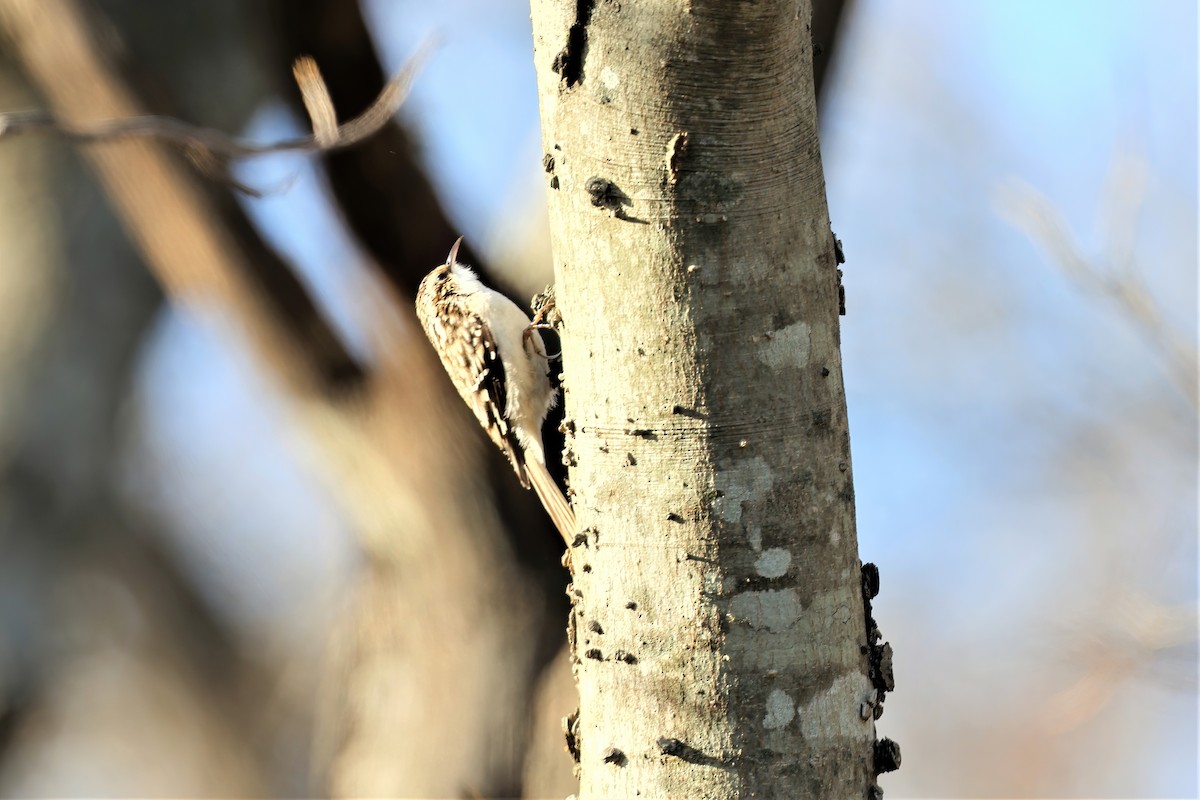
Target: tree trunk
(719,637)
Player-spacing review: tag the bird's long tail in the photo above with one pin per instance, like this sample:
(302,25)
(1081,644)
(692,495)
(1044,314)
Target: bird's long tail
(552,499)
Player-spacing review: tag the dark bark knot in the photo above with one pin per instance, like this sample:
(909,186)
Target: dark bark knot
(615,757)
(887,756)
(839,256)
(676,150)
(870,581)
(691,413)
(607,195)
(568,64)
(879,652)
(685,752)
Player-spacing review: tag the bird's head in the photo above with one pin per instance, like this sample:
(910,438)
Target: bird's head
(464,279)
(443,279)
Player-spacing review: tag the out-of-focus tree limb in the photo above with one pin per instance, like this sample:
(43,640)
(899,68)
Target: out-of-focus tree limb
(433,699)
(385,197)
(89,598)
(1031,211)
(382,191)
(197,259)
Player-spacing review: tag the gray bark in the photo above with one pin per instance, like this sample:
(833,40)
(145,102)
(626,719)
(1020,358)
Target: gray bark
(719,637)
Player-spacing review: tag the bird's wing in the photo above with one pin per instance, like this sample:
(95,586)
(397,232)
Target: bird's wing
(473,362)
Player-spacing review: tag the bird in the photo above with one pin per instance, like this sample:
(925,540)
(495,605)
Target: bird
(497,361)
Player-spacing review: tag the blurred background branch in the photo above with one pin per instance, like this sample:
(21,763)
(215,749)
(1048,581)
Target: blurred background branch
(1119,281)
(171,216)
(408,712)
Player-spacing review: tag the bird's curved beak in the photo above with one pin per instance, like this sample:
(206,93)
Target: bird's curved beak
(451,259)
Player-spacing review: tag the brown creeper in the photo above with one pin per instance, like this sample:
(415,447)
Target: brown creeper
(496,359)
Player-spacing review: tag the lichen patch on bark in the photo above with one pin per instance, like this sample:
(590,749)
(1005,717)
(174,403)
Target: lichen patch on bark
(787,347)
(773,562)
(781,710)
(772,609)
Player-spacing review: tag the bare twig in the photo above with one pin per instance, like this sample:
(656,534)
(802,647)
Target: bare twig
(208,147)
(317,101)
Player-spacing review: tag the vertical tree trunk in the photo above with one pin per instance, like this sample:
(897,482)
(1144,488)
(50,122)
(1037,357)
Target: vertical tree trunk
(719,634)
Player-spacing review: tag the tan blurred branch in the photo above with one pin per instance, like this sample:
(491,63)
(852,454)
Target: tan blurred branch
(1030,210)
(1136,630)
(1129,630)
